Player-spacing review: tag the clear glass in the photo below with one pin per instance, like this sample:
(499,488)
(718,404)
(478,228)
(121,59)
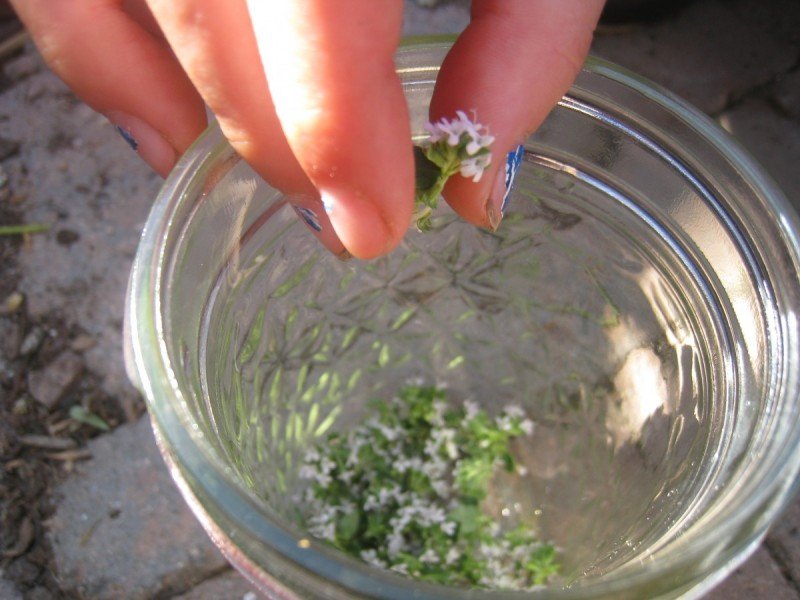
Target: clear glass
(639,300)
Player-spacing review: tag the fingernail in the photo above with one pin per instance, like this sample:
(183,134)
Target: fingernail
(312,213)
(358,223)
(501,190)
(344,255)
(309,217)
(145,140)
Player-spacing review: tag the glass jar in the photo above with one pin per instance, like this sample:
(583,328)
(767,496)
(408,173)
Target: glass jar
(639,300)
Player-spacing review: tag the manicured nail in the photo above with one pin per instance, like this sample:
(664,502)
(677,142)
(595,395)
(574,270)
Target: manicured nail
(145,140)
(501,190)
(128,137)
(309,217)
(513,161)
(312,213)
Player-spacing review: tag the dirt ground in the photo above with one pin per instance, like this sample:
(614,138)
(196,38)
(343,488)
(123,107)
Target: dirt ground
(39,443)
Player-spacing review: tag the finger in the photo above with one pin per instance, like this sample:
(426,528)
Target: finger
(311,212)
(509,67)
(122,71)
(329,67)
(215,44)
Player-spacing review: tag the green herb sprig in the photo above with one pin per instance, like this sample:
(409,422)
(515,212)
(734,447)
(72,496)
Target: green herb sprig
(404,491)
(454,146)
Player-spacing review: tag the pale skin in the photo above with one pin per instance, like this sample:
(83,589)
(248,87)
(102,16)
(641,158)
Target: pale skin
(305,90)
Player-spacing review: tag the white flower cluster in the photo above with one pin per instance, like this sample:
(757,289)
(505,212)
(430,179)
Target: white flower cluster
(501,557)
(461,132)
(404,510)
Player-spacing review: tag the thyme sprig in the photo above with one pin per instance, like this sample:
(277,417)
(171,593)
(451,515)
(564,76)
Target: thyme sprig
(405,491)
(454,146)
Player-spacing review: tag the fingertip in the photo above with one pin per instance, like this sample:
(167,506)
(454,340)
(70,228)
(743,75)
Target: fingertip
(143,139)
(360,224)
(509,68)
(311,212)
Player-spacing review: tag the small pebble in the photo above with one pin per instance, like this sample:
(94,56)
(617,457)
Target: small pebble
(20,406)
(8,148)
(12,303)
(82,343)
(32,341)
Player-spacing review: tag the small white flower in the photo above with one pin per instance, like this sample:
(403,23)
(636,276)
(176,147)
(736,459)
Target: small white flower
(452,556)
(471,409)
(448,435)
(396,544)
(429,556)
(356,443)
(431,447)
(371,556)
(401,568)
(326,465)
(505,423)
(371,502)
(307,472)
(474,166)
(527,426)
(514,410)
(448,527)
(472,137)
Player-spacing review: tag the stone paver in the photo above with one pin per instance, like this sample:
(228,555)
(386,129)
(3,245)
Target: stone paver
(712,51)
(759,577)
(51,382)
(10,338)
(447,17)
(75,174)
(772,139)
(229,585)
(784,542)
(787,94)
(121,529)
(8,591)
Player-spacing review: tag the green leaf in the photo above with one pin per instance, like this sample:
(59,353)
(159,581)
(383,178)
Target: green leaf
(22,229)
(347,526)
(80,414)
(542,564)
(468,517)
(425,171)
(253,337)
(295,279)
(328,422)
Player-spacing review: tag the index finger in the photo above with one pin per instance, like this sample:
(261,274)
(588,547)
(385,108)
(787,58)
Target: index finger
(330,71)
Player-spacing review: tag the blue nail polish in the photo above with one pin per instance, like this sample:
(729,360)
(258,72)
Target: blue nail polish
(126,135)
(513,161)
(310,217)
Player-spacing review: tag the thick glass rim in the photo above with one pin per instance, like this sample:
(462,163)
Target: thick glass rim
(682,566)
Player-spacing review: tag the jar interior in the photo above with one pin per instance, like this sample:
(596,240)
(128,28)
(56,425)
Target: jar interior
(614,304)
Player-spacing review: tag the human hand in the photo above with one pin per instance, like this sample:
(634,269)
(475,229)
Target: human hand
(325,116)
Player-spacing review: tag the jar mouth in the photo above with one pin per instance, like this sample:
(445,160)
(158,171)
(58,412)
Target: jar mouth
(758,219)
